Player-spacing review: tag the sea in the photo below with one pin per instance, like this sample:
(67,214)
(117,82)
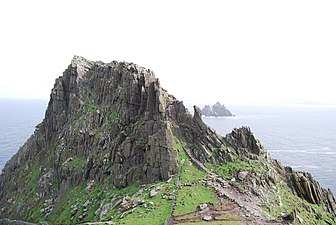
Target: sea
(18,119)
(300,136)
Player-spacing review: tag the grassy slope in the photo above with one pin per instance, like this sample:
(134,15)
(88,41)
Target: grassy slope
(187,198)
(172,198)
(178,198)
(280,201)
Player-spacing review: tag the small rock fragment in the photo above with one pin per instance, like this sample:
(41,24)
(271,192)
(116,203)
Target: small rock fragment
(86,204)
(202,206)
(207,218)
(152,193)
(242,175)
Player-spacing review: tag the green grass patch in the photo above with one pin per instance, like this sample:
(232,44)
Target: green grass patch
(228,216)
(77,123)
(152,214)
(29,195)
(35,213)
(229,170)
(188,172)
(91,107)
(78,196)
(149,215)
(98,133)
(282,202)
(189,197)
(77,162)
(62,211)
(129,190)
(112,116)
(34,173)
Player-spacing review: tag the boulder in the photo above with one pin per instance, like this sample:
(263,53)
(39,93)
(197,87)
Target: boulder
(242,175)
(86,204)
(104,210)
(207,218)
(202,206)
(152,193)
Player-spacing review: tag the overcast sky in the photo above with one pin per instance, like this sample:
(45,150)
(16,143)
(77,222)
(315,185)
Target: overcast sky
(202,51)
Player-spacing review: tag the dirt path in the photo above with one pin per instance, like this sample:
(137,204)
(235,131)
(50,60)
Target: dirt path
(225,211)
(247,201)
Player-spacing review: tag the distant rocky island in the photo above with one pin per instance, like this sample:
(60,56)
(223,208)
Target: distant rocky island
(116,148)
(217,110)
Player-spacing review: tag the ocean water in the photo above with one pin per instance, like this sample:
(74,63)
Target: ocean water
(18,119)
(303,137)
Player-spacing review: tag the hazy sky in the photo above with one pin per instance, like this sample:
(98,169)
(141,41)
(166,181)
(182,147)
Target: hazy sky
(202,51)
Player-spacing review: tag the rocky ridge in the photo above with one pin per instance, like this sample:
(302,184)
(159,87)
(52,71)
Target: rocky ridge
(114,144)
(217,110)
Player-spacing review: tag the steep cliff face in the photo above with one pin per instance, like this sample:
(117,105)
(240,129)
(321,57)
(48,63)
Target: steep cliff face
(110,126)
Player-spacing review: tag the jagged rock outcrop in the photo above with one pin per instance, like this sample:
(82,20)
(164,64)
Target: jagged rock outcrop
(303,184)
(113,125)
(244,138)
(217,110)
(124,120)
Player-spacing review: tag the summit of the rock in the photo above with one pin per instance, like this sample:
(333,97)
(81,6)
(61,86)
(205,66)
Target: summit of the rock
(79,60)
(113,138)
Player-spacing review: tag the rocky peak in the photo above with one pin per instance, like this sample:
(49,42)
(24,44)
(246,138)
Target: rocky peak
(244,138)
(217,110)
(197,114)
(80,61)
(217,104)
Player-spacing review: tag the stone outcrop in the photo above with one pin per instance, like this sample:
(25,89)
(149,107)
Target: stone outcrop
(243,138)
(217,110)
(113,124)
(303,184)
